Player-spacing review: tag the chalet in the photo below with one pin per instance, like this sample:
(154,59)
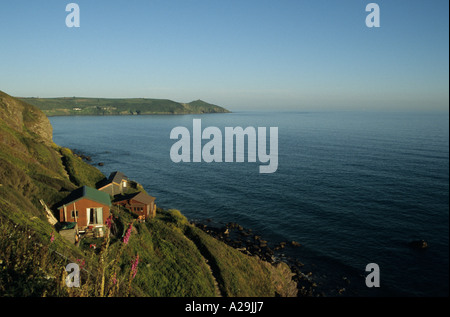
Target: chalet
(141,204)
(88,207)
(115,184)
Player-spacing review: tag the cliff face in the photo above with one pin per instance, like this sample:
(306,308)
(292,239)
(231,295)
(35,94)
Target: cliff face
(23,118)
(30,164)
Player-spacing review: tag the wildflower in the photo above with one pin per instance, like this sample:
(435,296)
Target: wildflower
(109,222)
(81,263)
(114,278)
(92,246)
(52,238)
(134,267)
(128,234)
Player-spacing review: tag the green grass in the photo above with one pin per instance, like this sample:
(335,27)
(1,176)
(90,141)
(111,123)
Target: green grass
(80,173)
(27,267)
(238,274)
(170,265)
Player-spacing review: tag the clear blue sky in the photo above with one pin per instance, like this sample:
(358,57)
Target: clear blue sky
(242,54)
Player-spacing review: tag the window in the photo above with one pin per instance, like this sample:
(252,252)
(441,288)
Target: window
(95,216)
(74,214)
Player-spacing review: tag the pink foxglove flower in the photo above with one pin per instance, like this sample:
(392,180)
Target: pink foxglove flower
(134,267)
(128,234)
(114,279)
(109,222)
(81,262)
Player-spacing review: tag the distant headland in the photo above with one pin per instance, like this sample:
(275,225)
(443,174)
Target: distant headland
(78,106)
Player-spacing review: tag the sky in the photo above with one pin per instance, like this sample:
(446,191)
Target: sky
(240,54)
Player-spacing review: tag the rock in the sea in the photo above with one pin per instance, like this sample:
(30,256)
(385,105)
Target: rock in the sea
(295,244)
(418,244)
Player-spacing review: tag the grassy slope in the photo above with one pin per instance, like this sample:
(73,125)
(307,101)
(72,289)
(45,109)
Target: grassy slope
(171,263)
(173,253)
(102,106)
(30,169)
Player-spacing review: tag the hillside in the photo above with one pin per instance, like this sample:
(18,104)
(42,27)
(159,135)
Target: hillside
(132,106)
(168,255)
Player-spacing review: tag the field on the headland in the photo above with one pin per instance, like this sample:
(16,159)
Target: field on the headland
(69,106)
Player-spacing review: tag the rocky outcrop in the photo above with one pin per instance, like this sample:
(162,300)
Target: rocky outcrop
(23,118)
(287,275)
(282,279)
(41,126)
(418,244)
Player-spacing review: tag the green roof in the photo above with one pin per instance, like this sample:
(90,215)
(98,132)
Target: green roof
(89,193)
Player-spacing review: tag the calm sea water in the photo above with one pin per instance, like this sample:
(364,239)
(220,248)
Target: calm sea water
(352,188)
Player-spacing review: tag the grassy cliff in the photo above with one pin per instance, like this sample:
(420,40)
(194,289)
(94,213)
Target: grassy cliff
(130,106)
(166,256)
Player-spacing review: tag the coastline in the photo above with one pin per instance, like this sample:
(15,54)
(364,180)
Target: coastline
(82,106)
(250,243)
(135,115)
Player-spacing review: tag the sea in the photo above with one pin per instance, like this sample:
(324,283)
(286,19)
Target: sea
(352,188)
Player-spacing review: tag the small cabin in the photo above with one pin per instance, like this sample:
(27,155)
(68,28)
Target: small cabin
(115,184)
(88,207)
(140,204)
